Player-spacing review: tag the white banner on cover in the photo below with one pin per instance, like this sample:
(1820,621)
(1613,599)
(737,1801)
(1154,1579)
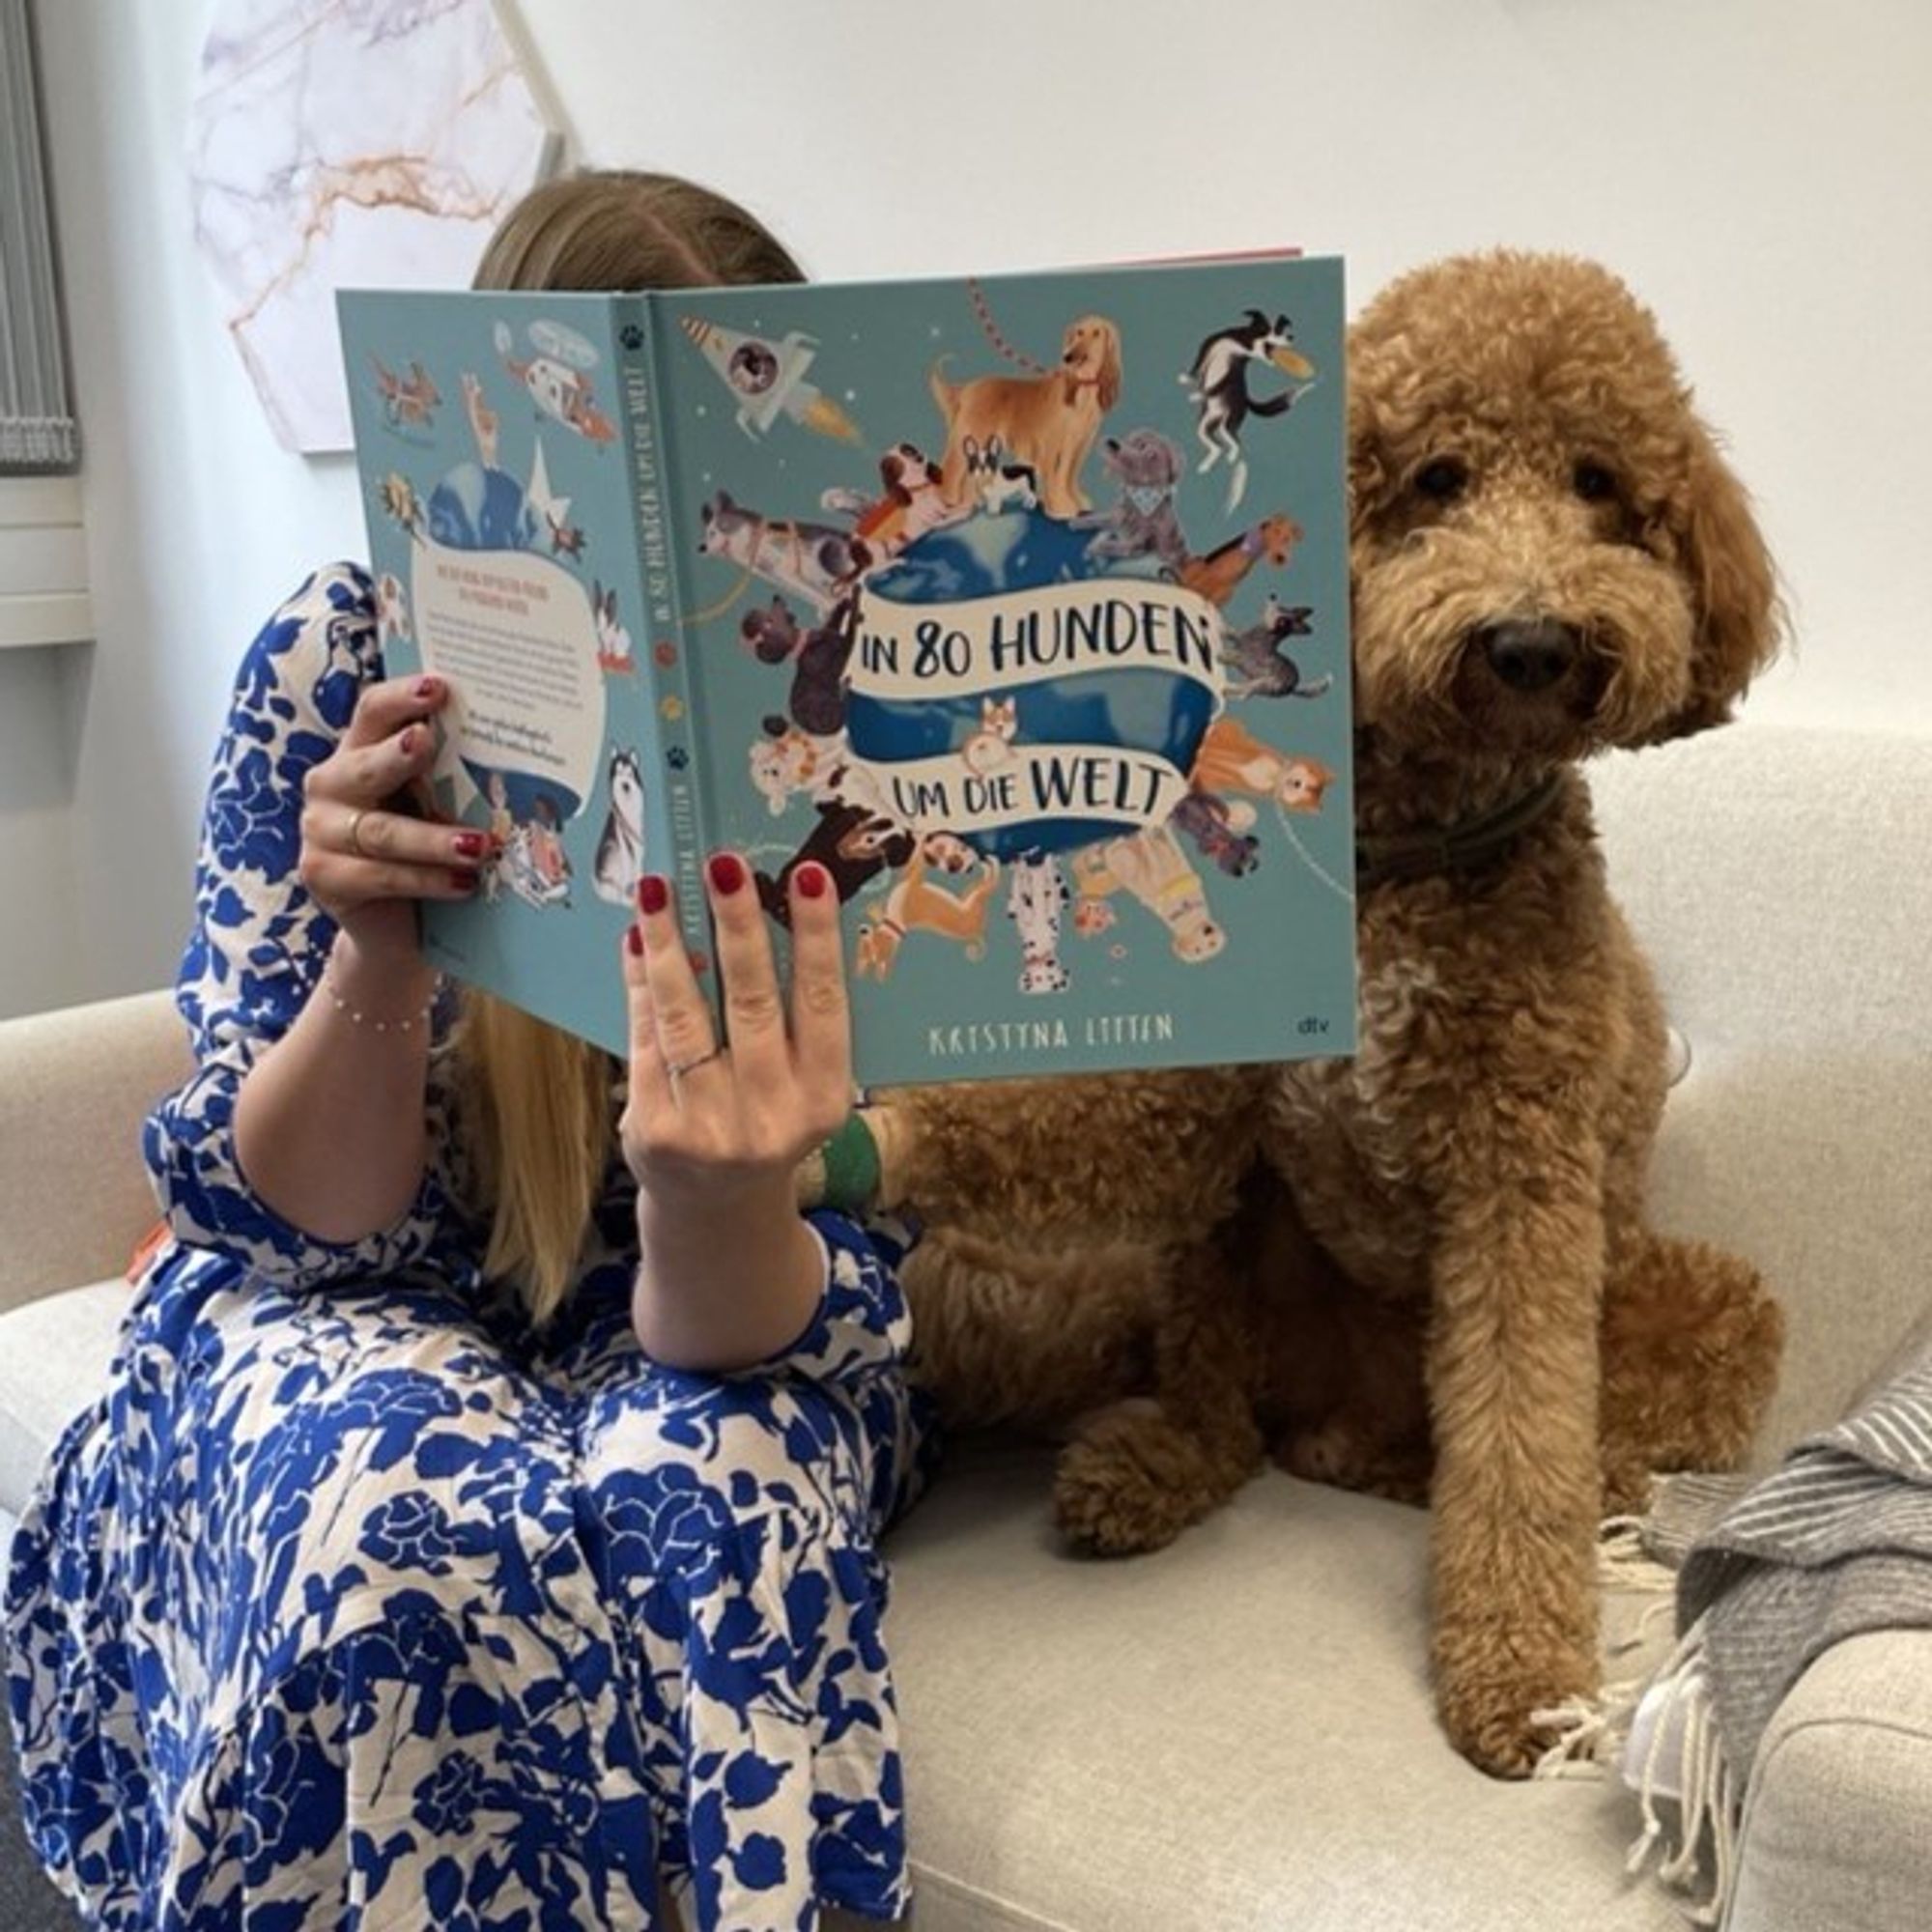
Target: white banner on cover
(922,652)
(1029,782)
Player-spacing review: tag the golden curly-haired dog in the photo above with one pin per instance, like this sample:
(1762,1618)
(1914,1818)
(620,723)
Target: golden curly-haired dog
(1048,421)
(1439,1280)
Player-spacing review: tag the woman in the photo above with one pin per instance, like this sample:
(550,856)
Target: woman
(479,1527)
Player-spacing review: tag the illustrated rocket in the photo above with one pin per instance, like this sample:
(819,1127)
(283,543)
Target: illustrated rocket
(767,380)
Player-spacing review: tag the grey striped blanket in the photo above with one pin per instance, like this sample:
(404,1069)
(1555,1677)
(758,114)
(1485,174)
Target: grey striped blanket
(1839,1542)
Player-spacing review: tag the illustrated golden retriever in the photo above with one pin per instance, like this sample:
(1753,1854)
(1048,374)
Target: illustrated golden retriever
(1047,422)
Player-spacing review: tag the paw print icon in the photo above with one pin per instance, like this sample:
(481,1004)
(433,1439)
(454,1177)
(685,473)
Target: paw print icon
(631,336)
(677,757)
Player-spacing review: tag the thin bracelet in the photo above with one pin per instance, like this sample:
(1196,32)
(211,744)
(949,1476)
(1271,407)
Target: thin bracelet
(356,1017)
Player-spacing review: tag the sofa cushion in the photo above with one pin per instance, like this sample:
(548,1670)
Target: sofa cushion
(1835,1828)
(1777,880)
(1236,1732)
(54,1355)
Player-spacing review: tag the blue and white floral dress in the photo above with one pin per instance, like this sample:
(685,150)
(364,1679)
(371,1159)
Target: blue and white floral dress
(356,1603)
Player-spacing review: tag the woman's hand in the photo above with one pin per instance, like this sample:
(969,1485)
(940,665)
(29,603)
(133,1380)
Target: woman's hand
(329,1128)
(367,852)
(730,1274)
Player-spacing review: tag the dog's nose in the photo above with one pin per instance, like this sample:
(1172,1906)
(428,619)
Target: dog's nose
(1529,654)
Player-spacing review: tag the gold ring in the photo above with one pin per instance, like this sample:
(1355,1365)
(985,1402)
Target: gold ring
(355,819)
(684,1067)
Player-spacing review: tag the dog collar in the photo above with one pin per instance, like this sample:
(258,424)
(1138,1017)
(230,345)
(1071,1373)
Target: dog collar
(1460,847)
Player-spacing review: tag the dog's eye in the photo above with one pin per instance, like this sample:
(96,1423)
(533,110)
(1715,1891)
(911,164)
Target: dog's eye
(1442,479)
(1592,482)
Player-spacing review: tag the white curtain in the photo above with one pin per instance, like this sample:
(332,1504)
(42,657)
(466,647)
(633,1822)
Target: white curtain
(37,427)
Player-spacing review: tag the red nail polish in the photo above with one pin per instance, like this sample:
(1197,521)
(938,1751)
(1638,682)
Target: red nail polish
(427,687)
(728,873)
(653,894)
(812,881)
(409,742)
(464,881)
(634,938)
(469,844)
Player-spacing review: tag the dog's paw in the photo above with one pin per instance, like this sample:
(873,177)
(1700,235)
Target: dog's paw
(1132,1482)
(1496,1698)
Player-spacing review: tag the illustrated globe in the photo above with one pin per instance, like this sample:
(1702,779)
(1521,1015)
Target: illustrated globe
(1142,709)
(474,508)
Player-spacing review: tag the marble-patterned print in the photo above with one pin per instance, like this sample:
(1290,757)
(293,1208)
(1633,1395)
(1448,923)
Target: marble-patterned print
(337,142)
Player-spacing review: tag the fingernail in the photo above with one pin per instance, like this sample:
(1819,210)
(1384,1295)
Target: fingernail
(463,881)
(410,742)
(728,873)
(634,938)
(653,894)
(427,687)
(812,881)
(469,844)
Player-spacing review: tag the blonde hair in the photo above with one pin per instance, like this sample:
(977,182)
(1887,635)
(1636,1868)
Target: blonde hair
(535,1103)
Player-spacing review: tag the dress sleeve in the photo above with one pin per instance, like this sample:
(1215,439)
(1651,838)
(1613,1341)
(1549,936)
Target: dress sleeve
(863,1328)
(259,942)
(856,1344)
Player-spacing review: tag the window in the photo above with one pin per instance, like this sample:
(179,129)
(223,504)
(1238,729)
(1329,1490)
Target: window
(42,554)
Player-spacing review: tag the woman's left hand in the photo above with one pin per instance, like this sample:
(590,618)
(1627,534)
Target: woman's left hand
(714,1132)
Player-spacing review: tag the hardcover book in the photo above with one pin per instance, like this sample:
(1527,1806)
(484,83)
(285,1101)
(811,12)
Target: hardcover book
(1019,603)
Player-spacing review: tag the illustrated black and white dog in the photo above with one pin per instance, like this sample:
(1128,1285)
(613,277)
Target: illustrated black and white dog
(1036,897)
(620,846)
(997,480)
(1217,384)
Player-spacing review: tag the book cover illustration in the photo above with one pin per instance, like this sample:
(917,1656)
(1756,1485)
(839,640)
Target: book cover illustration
(1019,605)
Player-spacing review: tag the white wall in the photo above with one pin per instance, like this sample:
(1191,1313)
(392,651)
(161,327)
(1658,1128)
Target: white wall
(1757,168)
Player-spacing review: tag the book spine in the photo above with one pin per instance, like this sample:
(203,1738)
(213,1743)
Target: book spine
(664,660)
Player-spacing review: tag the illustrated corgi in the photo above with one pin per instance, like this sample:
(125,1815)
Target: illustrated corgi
(991,745)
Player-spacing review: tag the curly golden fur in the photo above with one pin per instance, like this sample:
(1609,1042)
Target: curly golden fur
(1438,1281)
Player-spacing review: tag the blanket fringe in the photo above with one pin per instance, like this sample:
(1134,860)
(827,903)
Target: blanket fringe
(1590,1732)
(1708,1805)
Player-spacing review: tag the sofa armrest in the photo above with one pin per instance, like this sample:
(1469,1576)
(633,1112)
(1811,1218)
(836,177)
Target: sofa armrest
(75,1087)
(1835,1836)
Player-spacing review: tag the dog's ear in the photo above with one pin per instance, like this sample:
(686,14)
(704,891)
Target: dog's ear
(1110,366)
(1733,584)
